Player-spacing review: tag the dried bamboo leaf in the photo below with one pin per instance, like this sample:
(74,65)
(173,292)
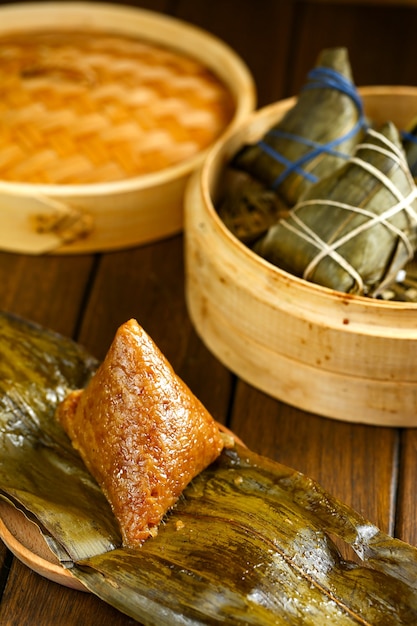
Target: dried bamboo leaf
(247,207)
(315,136)
(354,230)
(39,470)
(267,530)
(250,542)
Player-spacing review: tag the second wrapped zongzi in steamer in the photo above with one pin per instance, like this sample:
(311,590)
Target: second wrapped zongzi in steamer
(315,136)
(354,230)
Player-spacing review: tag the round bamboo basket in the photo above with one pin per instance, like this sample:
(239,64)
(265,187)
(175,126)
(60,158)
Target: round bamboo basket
(109,214)
(333,354)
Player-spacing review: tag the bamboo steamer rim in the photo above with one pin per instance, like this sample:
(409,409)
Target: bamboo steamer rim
(380,313)
(129,20)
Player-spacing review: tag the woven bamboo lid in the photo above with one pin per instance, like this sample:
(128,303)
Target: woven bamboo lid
(101,101)
(87,107)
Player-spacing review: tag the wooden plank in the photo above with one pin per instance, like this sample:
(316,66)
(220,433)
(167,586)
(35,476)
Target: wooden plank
(147,283)
(376,3)
(48,290)
(380,40)
(30,599)
(260,37)
(407,499)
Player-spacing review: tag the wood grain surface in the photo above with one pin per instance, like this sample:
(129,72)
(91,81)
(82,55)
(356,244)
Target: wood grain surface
(86,297)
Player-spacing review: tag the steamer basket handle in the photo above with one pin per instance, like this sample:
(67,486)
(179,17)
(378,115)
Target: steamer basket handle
(39,224)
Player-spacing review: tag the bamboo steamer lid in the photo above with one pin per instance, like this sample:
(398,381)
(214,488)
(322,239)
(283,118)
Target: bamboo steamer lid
(86,205)
(337,355)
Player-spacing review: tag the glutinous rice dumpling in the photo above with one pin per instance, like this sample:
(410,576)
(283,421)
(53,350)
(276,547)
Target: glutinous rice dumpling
(315,136)
(141,432)
(354,230)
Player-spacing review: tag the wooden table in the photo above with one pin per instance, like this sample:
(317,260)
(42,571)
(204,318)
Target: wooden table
(86,297)
(370,468)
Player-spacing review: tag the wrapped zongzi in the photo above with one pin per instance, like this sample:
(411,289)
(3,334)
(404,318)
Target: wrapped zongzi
(354,230)
(315,136)
(247,207)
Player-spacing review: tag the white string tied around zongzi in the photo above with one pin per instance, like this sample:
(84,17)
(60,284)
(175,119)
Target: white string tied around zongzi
(404,203)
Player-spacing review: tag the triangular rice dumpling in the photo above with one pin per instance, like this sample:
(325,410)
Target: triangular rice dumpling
(141,432)
(354,230)
(315,136)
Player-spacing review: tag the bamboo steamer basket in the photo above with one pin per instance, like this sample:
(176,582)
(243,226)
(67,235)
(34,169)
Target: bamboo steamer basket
(336,355)
(102,216)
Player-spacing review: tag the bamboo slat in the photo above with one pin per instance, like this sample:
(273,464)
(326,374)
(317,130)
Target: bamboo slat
(334,354)
(106,110)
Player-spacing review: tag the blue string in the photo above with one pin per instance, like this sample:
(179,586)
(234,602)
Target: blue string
(408,136)
(412,139)
(319,78)
(324,77)
(319,148)
(290,166)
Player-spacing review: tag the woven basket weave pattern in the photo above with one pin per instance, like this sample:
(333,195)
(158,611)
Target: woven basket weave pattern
(78,108)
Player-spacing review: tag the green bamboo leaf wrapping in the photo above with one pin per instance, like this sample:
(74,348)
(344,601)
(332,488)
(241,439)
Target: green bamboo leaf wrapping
(249,542)
(354,230)
(315,136)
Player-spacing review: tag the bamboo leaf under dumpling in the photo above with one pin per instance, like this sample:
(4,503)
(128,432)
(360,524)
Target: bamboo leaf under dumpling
(267,530)
(249,542)
(39,470)
(247,207)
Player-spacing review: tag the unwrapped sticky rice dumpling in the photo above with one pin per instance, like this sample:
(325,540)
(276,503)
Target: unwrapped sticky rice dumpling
(141,432)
